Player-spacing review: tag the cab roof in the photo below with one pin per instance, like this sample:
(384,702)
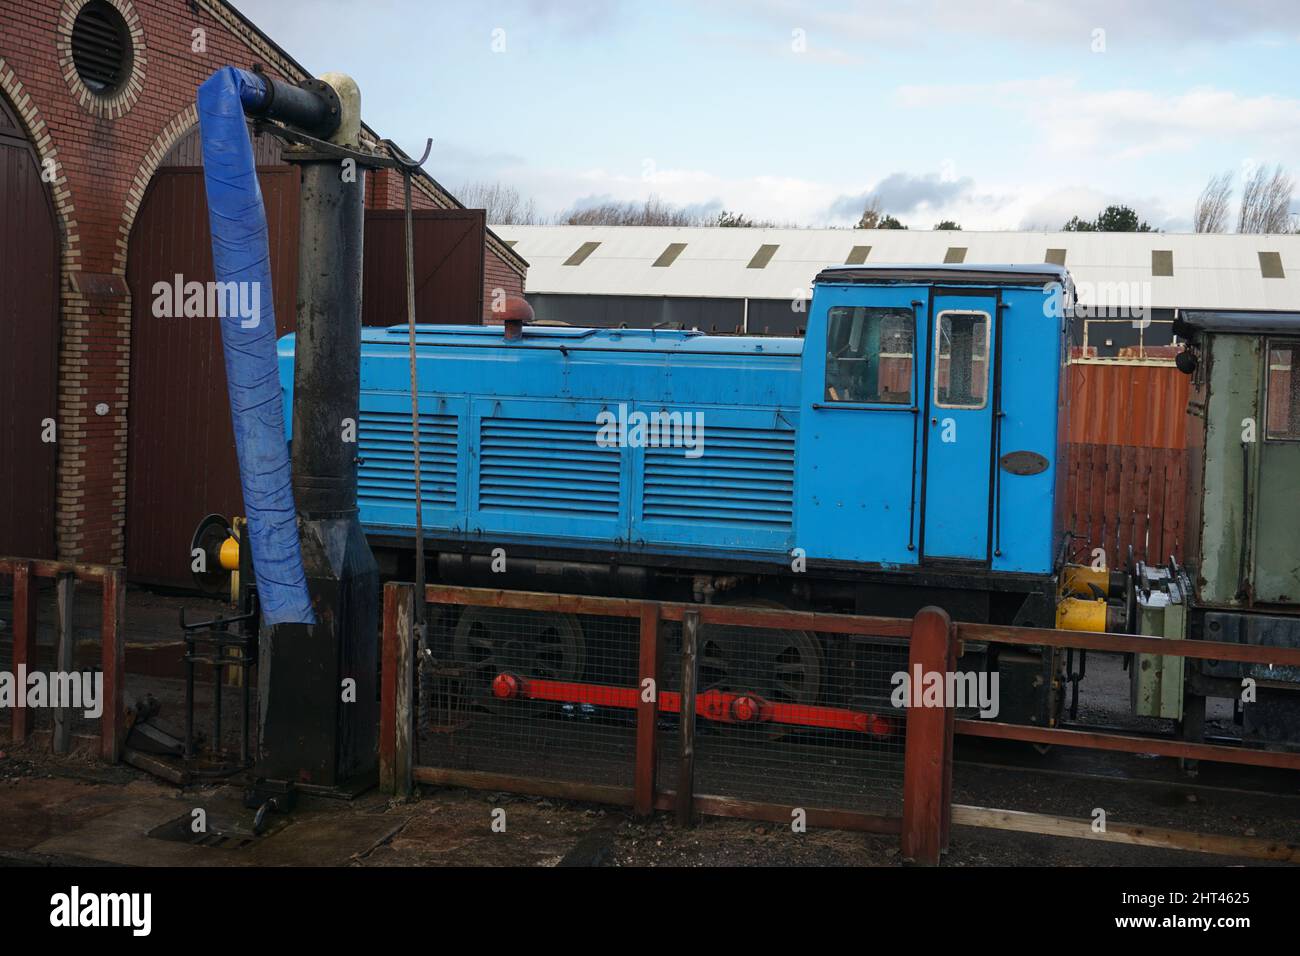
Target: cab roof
(1031,274)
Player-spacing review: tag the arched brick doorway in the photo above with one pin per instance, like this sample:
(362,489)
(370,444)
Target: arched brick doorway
(181,461)
(29,344)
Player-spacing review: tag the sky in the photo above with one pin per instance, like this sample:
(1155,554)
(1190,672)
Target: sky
(999,114)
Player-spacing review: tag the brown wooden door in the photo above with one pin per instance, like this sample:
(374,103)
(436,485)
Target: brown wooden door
(29,347)
(181,461)
(448,267)
(181,455)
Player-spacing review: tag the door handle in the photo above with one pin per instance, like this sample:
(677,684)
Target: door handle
(934,421)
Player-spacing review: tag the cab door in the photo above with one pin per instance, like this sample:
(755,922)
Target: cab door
(959,426)
(859,440)
(1276,551)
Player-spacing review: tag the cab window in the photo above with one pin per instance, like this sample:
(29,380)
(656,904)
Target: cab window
(961,345)
(869,355)
(1283,390)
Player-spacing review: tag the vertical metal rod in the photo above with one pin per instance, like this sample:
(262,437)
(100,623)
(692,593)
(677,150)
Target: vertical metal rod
(420,690)
(917,406)
(686,769)
(415,408)
(244,707)
(189,694)
(998,415)
(218,655)
(66,590)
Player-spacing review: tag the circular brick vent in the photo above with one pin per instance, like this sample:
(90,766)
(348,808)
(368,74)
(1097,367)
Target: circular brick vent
(102,54)
(101,47)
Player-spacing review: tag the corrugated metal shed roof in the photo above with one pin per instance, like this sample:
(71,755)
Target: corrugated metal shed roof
(1209,271)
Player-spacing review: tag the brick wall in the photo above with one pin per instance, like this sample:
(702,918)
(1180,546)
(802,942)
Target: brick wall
(499,279)
(103,152)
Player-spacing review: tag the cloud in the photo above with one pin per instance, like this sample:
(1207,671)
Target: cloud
(557,189)
(1127,24)
(904,193)
(1124,123)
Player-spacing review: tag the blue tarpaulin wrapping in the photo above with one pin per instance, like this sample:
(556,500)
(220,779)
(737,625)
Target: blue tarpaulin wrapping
(240,255)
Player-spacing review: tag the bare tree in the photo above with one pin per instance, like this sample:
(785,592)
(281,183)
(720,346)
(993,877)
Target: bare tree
(1211,213)
(1266,201)
(652,212)
(871,214)
(503,204)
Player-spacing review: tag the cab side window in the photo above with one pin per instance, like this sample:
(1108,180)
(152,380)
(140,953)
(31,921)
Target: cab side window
(869,355)
(961,345)
(1283,391)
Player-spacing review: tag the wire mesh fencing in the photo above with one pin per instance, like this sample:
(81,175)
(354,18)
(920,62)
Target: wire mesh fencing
(529,692)
(788,716)
(584,697)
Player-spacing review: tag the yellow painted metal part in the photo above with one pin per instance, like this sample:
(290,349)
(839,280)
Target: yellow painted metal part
(237,526)
(230,554)
(1076,578)
(1076,614)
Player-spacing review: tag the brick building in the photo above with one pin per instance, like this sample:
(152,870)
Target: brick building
(99,184)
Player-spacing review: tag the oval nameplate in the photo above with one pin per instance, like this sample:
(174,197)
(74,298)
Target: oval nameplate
(1023,463)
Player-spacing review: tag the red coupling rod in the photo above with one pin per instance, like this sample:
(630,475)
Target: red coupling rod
(718,706)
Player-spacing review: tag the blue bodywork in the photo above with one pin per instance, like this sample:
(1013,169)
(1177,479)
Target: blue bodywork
(791,456)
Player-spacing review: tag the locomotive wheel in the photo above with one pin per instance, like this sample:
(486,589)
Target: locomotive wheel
(208,537)
(779,664)
(486,642)
(791,660)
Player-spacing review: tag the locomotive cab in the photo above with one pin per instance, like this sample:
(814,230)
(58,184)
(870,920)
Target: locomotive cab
(931,417)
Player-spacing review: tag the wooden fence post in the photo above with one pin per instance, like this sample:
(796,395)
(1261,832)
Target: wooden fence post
(396,694)
(647,712)
(686,769)
(112,722)
(927,780)
(24,645)
(64,659)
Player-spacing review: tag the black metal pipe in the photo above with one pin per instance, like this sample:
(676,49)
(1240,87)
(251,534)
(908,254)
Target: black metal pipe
(313,107)
(306,732)
(327,353)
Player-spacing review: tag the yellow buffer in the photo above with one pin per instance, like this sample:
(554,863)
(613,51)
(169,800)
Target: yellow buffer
(229,555)
(1078,614)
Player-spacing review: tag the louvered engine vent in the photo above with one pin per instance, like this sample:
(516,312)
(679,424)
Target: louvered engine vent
(387,476)
(548,467)
(745,477)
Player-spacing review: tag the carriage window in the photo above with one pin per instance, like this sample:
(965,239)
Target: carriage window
(869,355)
(1283,392)
(961,359)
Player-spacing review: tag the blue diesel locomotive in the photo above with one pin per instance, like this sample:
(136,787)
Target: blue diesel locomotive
(912,435)
(906,451)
